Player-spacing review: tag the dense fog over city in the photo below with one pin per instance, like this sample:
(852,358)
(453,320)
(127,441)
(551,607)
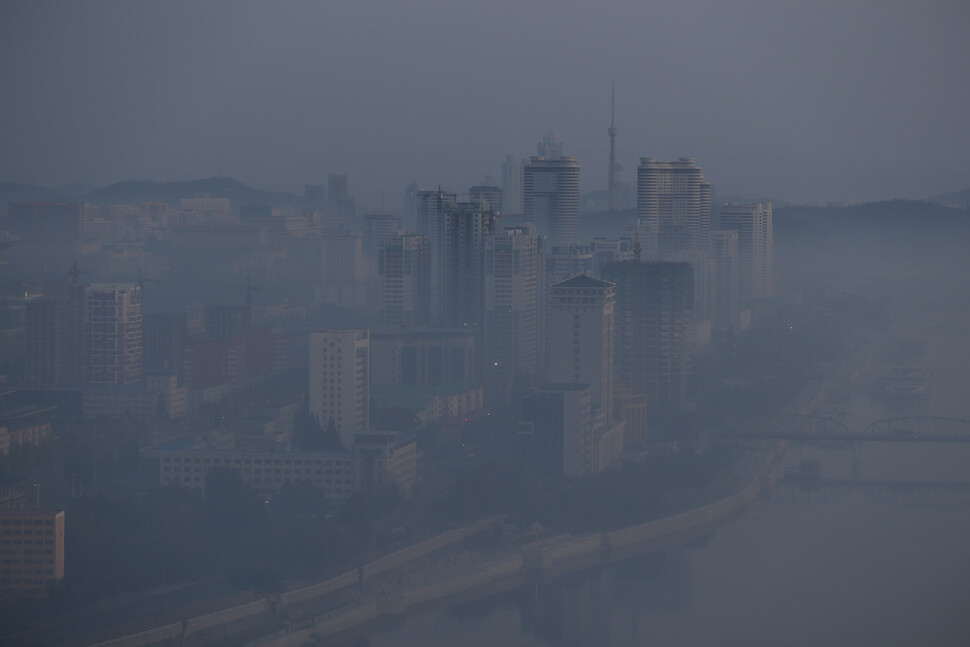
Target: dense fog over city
(796,102)
(536,324)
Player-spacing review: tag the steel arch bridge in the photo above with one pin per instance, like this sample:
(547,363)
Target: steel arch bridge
(929,429)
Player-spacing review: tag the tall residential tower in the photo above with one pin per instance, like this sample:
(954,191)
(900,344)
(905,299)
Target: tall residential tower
(551,197)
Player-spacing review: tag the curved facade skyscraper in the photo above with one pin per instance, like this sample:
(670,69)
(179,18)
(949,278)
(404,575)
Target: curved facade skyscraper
(551,197)
(673,207)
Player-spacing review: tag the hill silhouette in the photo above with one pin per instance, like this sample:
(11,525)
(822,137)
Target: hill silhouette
(137,192)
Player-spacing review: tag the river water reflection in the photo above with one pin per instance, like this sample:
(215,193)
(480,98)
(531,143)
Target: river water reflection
(838,566)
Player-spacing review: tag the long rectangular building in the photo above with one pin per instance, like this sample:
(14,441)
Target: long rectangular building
(31,549)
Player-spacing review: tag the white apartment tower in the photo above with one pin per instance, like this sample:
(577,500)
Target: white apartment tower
(340,381)
(113,333)
(551,197)
(752,221)
(673,207)
(511,302)
(404,265)
(581,336)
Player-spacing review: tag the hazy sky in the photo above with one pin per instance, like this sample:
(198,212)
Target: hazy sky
(802,101)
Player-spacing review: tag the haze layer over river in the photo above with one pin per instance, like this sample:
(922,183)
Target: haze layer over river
(864,565)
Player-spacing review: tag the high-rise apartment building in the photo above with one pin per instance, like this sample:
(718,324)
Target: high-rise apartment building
(163,342)
(489,193)
(113,333)
(430,205)
(565,261)
(551,197)
(511,304)
(461,264)
(48,346)
(558,430)
(404,267)
(753,222)
(673,207)
(430,217)
(378,226)
(724,308)
(581,337)
(339,382)
(511,186)
(343,269)
(342,258)
(654,337)
(423,357)
(410,220)
(55,336)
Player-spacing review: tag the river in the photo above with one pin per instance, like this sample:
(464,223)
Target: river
(837,566)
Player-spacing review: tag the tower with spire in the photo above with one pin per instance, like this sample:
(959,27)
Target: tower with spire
(615,173)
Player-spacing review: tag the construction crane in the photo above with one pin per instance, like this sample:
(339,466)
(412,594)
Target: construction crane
(75,271)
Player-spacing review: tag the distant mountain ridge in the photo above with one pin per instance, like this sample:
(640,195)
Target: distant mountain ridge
(956,199)
(14,192)
(137,192)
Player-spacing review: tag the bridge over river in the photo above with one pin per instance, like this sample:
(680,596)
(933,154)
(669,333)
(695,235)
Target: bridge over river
(830,428)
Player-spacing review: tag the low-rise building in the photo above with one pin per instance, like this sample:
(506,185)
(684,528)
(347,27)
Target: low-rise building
(378,459)
(31,550)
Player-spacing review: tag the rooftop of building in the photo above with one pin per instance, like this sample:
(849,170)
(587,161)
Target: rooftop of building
(563,386)
(197,445)
(584,281)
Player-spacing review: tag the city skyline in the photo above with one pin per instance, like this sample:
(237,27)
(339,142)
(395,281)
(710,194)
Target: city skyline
(793,106)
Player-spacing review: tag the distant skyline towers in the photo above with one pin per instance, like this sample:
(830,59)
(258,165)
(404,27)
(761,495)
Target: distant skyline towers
(581,325)
(489,193)
(654,330)
(551,196)
(753,222)
(511,186)
(404,266)
(615,171)
(339,381)
(113,333)
(411,205)
(511,304)
(673,207)
(550,147)
(339,203)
